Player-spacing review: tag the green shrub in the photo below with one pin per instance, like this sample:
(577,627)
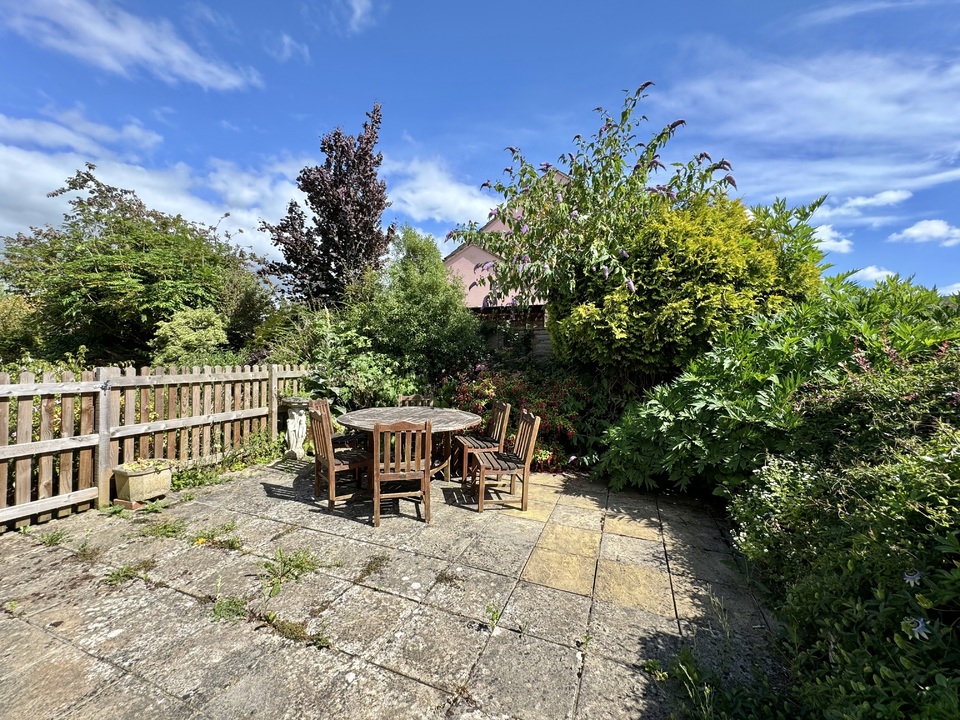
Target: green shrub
(716,423)
(843,546)
(414,312)
(640,272)
(572,409)
(191,336)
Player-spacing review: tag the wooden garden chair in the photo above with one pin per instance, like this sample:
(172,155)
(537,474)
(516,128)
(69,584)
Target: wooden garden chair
(414,401)
(330,462)
(504,466)
(491,440)
(401,456)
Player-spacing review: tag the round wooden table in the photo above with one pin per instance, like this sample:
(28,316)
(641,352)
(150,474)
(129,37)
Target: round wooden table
(444,421)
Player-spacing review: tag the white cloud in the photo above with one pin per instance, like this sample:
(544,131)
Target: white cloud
(71,130)
(842,123)
(117,41)
(938,231)
(425,190)
(870,274)
(853,207)
(844,11)
(361,14)
(950,289)
(832,241)
(285,47)
(248,194)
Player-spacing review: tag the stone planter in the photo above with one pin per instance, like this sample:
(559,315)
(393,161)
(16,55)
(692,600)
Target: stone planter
(139,482)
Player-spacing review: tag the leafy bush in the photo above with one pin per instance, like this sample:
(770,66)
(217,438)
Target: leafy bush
(114,269)
(415,312)
(348,372)
(868,559)
(640,275)
(733,405)
(571,408)
(190,337)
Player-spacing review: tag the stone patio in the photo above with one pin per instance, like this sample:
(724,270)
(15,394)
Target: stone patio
(546,614)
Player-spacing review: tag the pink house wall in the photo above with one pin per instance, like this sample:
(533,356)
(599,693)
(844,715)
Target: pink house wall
(465,262)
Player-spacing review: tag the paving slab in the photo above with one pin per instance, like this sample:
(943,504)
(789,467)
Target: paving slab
(435,647)
(361,620)
(634,551)
(562,571)
(470,592)
(572,540)
(543,612)
(521,671)
(613,691)
(630,635)
(634,586)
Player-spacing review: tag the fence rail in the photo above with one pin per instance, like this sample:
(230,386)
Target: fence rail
(61,437)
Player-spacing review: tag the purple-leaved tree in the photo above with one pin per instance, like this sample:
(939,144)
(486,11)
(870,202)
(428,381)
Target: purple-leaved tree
(342,236)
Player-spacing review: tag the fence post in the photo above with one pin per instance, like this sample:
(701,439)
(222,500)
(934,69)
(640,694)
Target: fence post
(273,391)
(104,471)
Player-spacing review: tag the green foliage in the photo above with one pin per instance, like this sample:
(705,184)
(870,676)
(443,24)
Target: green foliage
(115,269)
(126,573)
(845,541)
(17,328)
(230,608)
(639,276)
(415,312)
(285,567)
(573,409)
(717,421)
(166,528)
(54,537)
(348,372)
(190,337)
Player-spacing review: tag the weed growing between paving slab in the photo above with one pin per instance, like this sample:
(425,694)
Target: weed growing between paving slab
(286,566)
(214,537)
(119,576)
(88,553)
(53,538)
(165,529)
(449,577)
(116,511)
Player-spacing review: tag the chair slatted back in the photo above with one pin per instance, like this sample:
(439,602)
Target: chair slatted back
(414,401)
(402,450)
(499,417)
(527,430)
(321,424)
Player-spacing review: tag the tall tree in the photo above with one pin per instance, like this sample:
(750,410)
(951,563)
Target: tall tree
(115,269)
(325,253)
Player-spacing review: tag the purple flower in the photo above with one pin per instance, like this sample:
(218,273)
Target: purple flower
(492,213)
(449,235)
(912,577)
(704,156)
(488,265)
(918,627)
(656,164)
(517,214)
(525,229)
(559,198)
(606,272)
(624,254)
(525,258)
(545,166)
(574,215)
(730,181)
(630,286)
(567,232)
(486,302)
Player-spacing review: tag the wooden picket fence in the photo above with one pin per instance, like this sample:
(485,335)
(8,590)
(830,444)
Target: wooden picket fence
(61,437)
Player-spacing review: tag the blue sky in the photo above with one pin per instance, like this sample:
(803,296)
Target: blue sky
(212,107)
